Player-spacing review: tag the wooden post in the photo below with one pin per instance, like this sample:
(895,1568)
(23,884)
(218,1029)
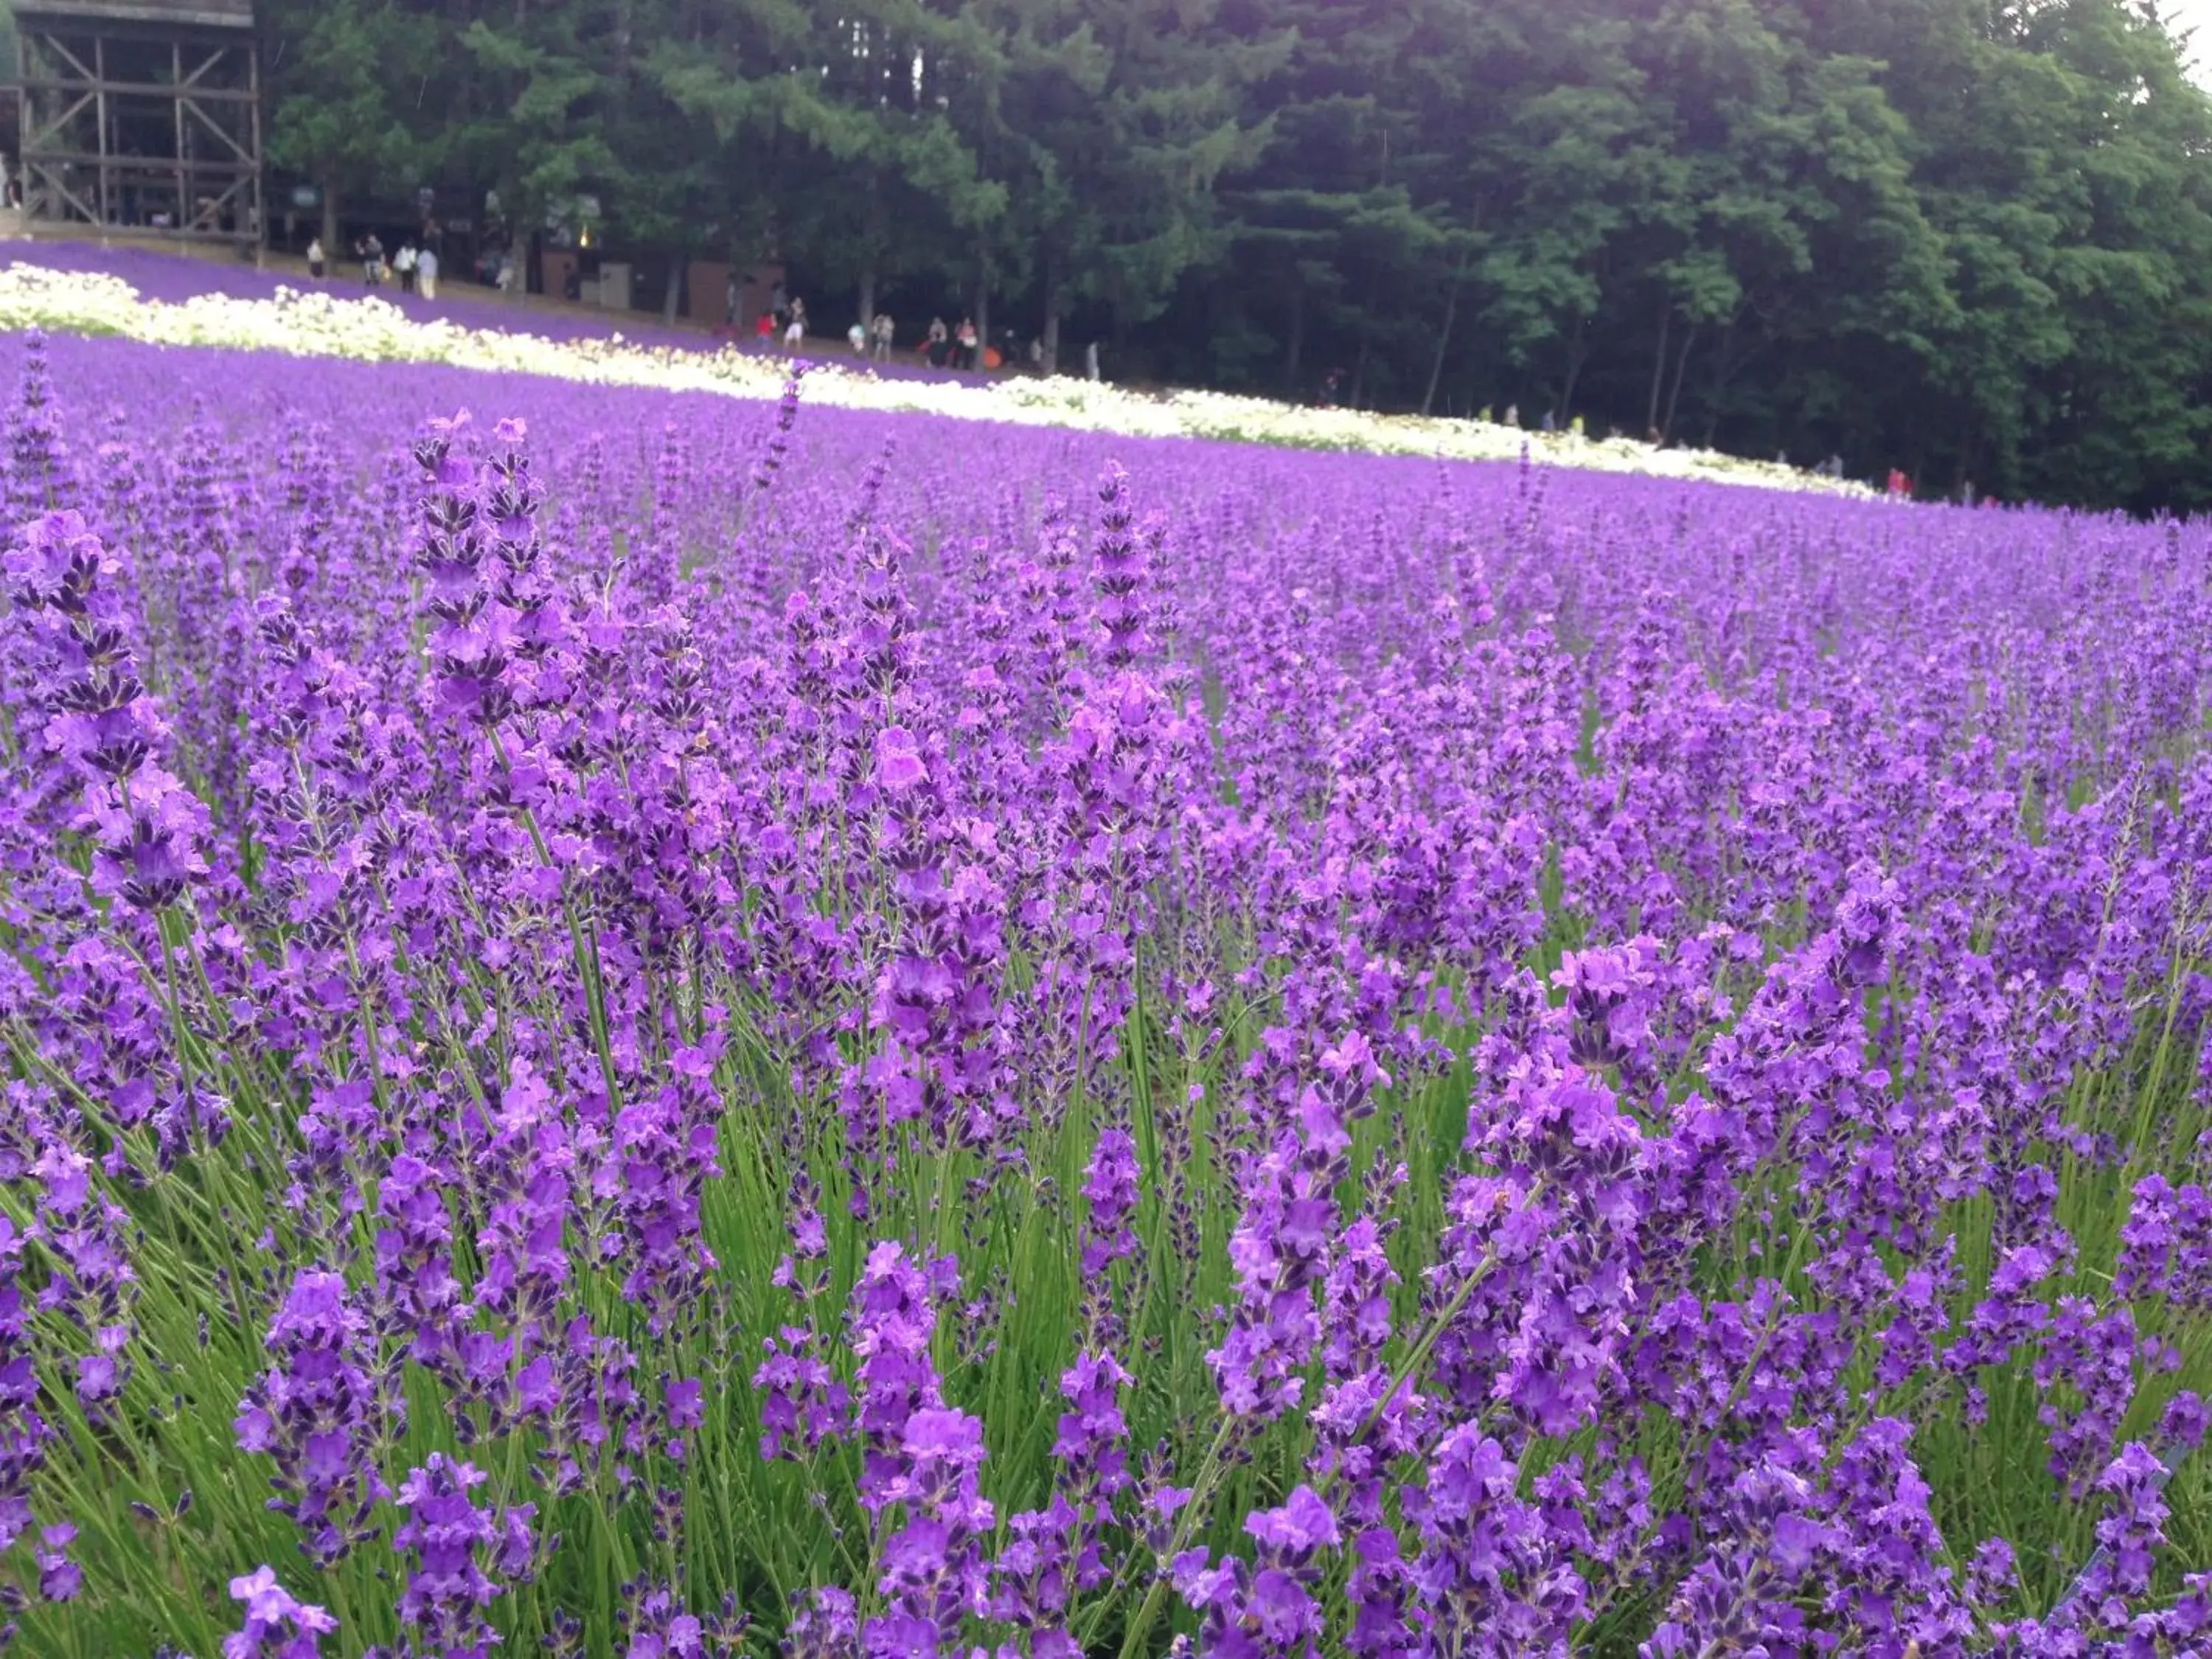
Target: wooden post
(104,149)
(185,206)
(260,226)
(23,123)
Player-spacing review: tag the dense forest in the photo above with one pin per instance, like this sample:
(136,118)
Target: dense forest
(1969,239)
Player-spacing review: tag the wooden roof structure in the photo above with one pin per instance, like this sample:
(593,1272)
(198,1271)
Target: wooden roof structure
(188,14)
(142,114)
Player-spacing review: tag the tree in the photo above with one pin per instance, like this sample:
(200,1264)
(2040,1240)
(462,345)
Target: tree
(1110,126)
(1972,238)
(340,76)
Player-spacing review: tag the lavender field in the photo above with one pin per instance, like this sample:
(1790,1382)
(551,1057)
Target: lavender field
(655,1026)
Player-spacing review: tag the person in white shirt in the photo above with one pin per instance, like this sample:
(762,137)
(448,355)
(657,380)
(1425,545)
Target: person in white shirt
(794,331)
(403,263)
(426,273)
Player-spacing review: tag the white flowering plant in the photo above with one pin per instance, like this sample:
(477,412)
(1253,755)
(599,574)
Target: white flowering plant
(319,325)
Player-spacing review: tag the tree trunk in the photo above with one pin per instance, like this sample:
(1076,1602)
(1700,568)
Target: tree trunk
(867,297)
(1051,316)
(1297,345)
(1681,368)
(673,293)
(1358,376)
(1443,338)
(1719,383)
(1659,366)
(1577,355)
(331,224)
(983,318)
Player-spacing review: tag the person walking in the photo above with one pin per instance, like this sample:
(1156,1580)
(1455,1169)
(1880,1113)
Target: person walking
(857,336)
(794,329)
(970,356)
(940,343)
(426,273)
(885,332)
(403,263)
(317,262)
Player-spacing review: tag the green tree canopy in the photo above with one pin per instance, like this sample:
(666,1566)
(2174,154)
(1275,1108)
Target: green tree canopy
(1969,238)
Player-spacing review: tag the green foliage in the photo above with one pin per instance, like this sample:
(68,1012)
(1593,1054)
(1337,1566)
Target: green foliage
(345,104)
(1971,240)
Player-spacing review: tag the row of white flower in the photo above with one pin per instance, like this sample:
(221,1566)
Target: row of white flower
(317,325)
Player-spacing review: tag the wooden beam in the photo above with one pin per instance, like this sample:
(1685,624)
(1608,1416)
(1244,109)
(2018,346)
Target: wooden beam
(35,136)
(192,107)
(213,59)
(53,43)
(136,167)
(161,89)
(52,185)
(135,19)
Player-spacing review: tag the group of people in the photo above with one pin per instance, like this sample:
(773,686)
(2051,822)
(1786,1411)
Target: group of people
(785,315)
(415,270)
(874,338)
(946,347)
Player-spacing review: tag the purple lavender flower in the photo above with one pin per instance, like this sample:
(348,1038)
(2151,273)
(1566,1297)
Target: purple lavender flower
(1267,1607)
(277,1626)
(824,1624)
(1583,954)
(60,1578)
(312,1412)
(448,1538)
(23,1430)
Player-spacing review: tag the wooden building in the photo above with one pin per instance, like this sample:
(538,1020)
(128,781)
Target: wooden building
(142,114)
